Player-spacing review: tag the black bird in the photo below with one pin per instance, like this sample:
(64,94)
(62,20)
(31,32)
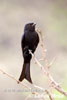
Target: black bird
(30,40)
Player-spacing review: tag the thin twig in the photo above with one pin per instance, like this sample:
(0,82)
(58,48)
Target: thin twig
(44,50)
(50,97)
(55,84)
(29,96)
(12,77)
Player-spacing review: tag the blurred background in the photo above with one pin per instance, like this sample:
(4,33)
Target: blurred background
(51,18)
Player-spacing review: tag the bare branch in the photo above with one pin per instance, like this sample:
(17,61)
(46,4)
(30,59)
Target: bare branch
(12,77)
(29,96)
(50,97)
(54,84)
(46,72)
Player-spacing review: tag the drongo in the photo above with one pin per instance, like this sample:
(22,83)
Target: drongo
(29,41)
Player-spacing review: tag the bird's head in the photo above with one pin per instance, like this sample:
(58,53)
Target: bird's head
(29,27)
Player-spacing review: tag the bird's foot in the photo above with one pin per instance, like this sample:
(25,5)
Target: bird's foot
(18,82)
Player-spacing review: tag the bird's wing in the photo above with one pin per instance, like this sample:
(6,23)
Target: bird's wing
(37,40)
(35,43)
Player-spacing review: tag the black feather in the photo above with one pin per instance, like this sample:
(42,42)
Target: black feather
(30,40)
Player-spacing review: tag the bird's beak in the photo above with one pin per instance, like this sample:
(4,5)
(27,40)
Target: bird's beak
(34,24)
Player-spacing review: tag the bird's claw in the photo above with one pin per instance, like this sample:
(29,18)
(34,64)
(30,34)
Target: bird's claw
(18,82)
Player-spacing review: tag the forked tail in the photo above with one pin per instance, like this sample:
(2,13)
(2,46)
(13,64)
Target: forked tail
(25,73)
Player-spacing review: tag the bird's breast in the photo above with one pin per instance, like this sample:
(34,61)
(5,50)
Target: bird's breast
(30,39)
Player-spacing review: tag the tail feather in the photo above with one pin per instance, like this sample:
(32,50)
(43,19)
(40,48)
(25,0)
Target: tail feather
(25,73)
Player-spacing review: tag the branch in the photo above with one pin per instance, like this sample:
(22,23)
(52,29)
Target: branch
(44,50)
(56,85)
(12,77)
(46,72)
(53,82)
(50,97)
